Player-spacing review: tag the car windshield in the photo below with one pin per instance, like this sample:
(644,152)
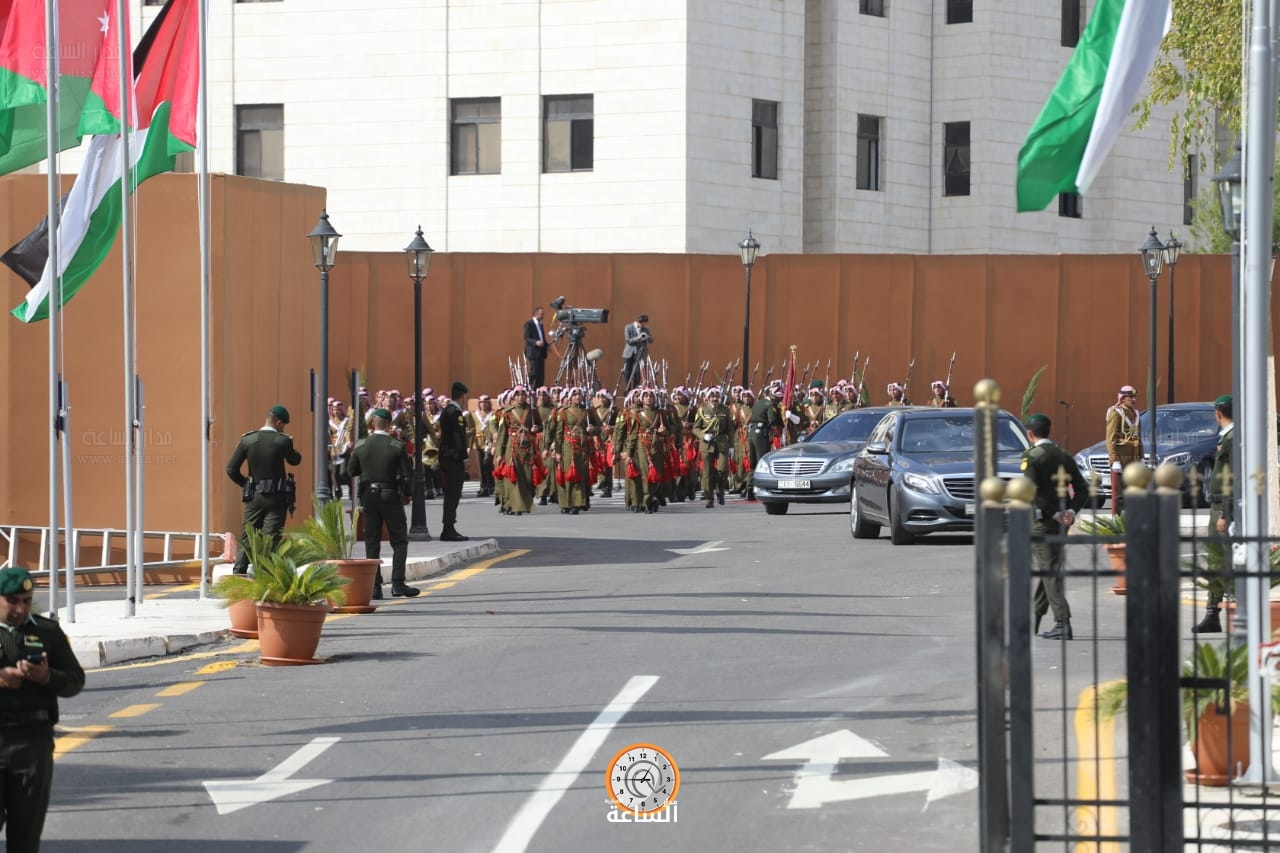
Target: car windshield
(848,426)
(955,435)
(1175,427)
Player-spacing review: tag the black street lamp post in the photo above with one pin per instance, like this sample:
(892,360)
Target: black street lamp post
(1153,262)
(748,248)
(1171,251)
(324,252)
(418,254)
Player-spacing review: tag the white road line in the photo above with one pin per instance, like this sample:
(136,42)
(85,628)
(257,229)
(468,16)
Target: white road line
(526,822)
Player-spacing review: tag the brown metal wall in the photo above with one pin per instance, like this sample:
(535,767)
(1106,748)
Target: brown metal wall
(1005,316)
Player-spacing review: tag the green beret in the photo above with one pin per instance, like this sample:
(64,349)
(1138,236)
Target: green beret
(381,413)
(280,413)
(1039,418)
(14,580)
(1224,400)
(459,389)
(817,383)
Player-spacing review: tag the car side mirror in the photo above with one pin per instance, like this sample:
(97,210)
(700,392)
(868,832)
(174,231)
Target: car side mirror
(877,448)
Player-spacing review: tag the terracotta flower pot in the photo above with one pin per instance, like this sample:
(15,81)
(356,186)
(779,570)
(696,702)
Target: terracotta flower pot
(1115,553)
(244,619)
(289,634)
(1230,608)
(1214,766)
(363,575)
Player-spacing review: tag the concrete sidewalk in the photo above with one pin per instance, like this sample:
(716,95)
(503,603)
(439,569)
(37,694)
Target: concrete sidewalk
(102,634)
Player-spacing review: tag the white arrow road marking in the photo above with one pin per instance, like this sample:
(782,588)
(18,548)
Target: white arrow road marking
(816,785)
(535,809)
(231,795)
(704,548)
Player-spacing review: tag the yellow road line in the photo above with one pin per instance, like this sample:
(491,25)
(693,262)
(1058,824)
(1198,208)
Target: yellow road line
(442,585)
(1096,777)
(181,688)
(135,710)
(219,666)
(75,738)
(244,648)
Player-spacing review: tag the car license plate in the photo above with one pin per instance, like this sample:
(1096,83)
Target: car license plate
(968,509)
(793,484)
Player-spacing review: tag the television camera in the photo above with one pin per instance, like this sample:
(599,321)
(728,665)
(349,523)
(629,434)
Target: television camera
(577,316)
(578,366)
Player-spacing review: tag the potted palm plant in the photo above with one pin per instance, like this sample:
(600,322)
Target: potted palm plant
(325,537)
(1211,724)
(292,598)
(1108,525)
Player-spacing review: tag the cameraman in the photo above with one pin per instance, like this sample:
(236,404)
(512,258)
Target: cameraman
(38,667)
(633,354)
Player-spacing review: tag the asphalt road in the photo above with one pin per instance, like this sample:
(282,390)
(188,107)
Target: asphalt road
(483,715)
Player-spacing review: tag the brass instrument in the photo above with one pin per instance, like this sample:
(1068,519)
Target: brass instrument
(430,451)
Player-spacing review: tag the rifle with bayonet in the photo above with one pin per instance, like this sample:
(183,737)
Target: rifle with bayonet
(906,383)
(947,402)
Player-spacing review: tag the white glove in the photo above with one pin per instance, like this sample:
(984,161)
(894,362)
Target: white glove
(793,417)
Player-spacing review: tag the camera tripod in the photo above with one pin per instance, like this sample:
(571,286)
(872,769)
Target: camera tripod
(578,367)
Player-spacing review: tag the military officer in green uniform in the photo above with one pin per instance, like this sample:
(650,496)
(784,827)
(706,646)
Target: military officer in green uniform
(1221,513)
(453,459)
(713,427)
(38,666)
(267,492)
(386,485)
(766,417)
(1050,468)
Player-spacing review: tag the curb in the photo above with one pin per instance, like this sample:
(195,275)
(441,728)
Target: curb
(423,568)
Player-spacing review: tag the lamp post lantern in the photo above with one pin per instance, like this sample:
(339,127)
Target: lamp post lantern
(324,252)
(1171,251)
(418,254)
(748,249)
(1153,263)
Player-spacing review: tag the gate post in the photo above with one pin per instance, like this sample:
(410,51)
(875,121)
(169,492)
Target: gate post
(993,786)
(1151,660)
(1021,493)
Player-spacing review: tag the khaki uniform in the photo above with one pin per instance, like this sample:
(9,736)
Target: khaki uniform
(713,428)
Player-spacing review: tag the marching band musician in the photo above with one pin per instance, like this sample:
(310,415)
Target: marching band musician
(482,443)
(570,435)
(523,451)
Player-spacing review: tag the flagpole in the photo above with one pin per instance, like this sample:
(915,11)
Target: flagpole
(133,557)
(202,195)
(55,291)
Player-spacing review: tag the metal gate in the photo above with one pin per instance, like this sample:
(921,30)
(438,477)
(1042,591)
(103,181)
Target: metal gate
(1082,744)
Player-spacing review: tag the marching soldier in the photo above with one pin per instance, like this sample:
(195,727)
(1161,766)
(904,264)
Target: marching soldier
(896,392)
(546,406)
(741,441)
(646,443)
(523,428)
(1124,440)
(386,485)
(603,407)
(713,427)
(570,436)
(267,492)
(482,443)
(814,411)
(941,399)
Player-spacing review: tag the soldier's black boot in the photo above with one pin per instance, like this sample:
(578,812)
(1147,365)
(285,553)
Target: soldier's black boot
(1039,619)
(1210,624)
(1060,631)
(720,497)
(710,501)
(403,590)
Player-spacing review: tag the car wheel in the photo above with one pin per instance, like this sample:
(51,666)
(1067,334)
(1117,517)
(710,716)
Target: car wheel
(858,524)
(776,508)
(898,534)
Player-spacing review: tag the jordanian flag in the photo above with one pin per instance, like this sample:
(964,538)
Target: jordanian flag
(1077,127)
(167,86)
(88,75)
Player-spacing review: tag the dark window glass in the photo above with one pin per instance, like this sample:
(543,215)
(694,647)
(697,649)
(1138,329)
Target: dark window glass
(1070,23)
(475,141)
(868,153)
(871,7)
(260,141)
(1070,205)
(568,133)
(959,11)
(764,139)
(955,158)
(1190,184)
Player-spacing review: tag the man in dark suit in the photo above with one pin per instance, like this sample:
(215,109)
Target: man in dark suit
(535,348)
(637,339)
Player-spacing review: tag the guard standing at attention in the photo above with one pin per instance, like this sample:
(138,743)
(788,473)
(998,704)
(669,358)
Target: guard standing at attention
(766,417)
(36,667)
(1050,467)
(1124,441)
(453,459)
(1221,515)
(268,492)
(386,485)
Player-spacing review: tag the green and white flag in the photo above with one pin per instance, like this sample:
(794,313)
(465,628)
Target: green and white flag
(1086,110)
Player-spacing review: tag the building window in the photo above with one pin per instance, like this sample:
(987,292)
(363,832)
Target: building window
(955,158)
(568,133)
(475,139)
(1189,187)
(871,7)
(1070,23)
(764,139)
(868,152)
(1070,205)
(260,141)
(959,11)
